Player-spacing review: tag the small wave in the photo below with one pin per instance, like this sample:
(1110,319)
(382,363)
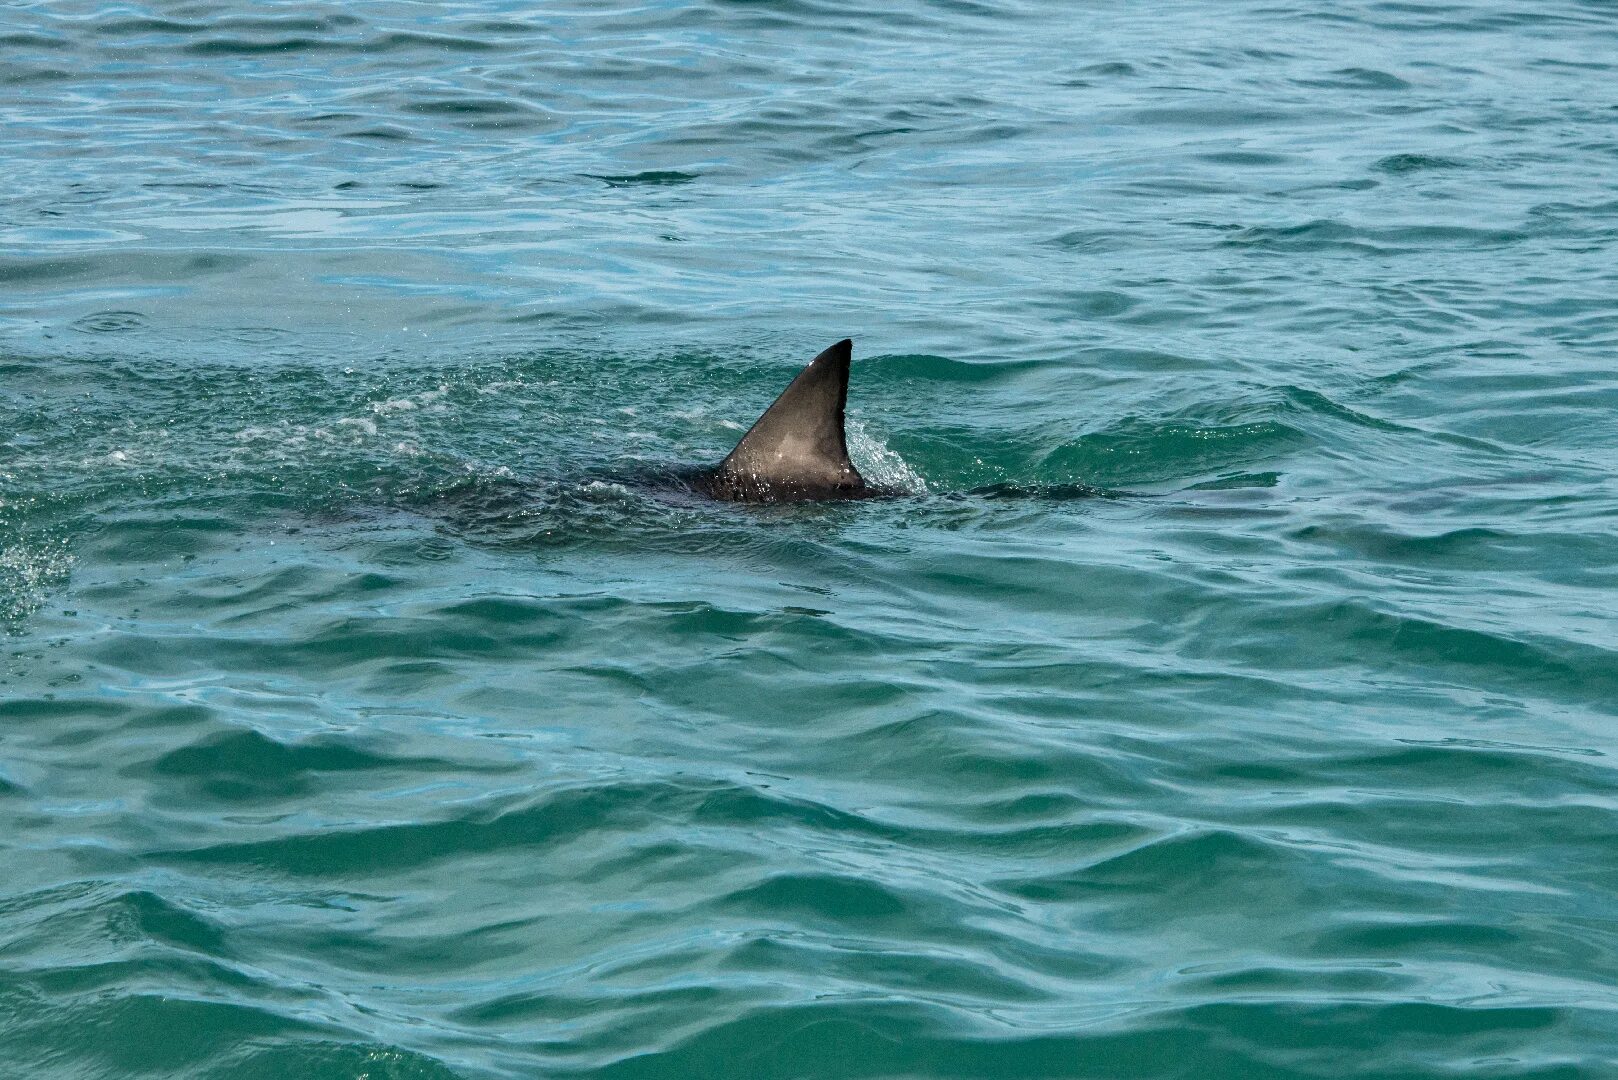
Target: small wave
(250,766)
(1139,452)
(1408,163)
(880,465)
(1357,78)
(484,113)
(653,178)
(1326,234)
(945,369)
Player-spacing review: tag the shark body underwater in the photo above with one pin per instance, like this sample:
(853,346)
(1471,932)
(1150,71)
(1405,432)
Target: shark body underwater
(797,451)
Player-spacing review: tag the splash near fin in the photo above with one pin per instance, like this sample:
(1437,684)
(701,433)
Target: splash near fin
(797,450)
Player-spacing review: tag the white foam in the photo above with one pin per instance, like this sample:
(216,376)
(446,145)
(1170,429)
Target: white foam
(30,572)
(881,466)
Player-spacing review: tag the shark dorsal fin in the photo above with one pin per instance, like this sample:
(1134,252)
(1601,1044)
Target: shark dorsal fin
(797,449)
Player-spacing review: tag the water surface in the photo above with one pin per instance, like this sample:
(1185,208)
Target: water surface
(358,720)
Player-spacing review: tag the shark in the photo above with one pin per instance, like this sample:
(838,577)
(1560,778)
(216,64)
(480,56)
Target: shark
(797,451)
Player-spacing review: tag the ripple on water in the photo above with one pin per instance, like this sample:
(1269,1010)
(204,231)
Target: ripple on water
(111,322)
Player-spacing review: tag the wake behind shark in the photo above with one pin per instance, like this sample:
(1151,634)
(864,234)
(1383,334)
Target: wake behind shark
(798,450)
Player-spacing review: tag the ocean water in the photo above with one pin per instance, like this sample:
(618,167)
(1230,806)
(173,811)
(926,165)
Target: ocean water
(1231,695)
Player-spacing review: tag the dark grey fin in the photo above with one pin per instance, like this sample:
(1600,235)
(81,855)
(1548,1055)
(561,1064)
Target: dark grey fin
(797,449)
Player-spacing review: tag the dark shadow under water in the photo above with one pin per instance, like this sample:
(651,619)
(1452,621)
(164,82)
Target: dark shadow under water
(658,500)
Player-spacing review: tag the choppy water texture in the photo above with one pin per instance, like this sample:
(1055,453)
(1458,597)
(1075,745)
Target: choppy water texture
(360,720)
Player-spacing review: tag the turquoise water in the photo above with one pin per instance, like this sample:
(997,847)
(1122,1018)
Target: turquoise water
(1231,696)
